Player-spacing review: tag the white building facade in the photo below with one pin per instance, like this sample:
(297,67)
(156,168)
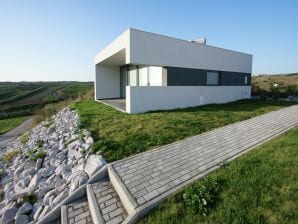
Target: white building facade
(148,72)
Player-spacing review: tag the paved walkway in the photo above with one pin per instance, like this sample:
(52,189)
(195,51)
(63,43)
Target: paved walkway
(153,175)
(19,130)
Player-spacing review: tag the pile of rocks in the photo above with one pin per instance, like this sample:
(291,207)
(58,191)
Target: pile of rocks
(54,161)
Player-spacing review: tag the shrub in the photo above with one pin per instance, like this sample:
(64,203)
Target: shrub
(2,172)
(35,154)
(31,198)
(10,155)
(24,138)
(39,143)
(49,110)
(39,155)
(201,197)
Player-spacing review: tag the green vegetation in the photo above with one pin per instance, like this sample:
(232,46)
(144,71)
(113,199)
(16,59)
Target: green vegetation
(10,123)
(74,90)
(31,198)
(9,156)
(119,135)
(25,98)
(35,154)
(259,187)
(24,138)
(263,85)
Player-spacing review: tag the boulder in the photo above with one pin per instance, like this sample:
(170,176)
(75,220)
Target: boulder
(77,179)
(22,219)
(89,140)
(25,208)
(38,213)
(94,163)
(60,197)
(34,181)
(48,171)
(38,164)
(9,214)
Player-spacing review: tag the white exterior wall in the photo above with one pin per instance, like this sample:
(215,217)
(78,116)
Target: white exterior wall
(153,49)
(143,99)
(107,82)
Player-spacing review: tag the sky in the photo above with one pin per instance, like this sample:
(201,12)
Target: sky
(55,40)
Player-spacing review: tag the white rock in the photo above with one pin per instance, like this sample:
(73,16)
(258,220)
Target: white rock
(89,141)
(77,179)
(60,197)
(9,214)
(94,163)
(34,181)
(38,164)
(25,208)
(22,219)
(48,171)
(38,213)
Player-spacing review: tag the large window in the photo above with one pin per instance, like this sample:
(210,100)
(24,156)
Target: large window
(132,74)
(143,76)
(212,78)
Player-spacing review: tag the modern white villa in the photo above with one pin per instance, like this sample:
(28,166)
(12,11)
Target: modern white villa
(141,71)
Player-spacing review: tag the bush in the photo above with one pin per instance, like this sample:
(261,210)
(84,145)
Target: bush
(49,110)
(275,92)
(39,143)
(35,154)
(24,138)
(201,197)
(31,198)
(10,155)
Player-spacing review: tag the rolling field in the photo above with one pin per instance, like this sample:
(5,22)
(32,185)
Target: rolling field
(287,84)
(23,99)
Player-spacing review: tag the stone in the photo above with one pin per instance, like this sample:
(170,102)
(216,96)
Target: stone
(94,163)
(38,164)
(60,197)
(89,141)
(34,181)
(44,211)
(25,208)
(38,213)
(18,170)
(22,219)
(47,197)
(48,171)
(77,179)
(9,214)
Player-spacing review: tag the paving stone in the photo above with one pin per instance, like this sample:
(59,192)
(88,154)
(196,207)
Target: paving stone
(155,172)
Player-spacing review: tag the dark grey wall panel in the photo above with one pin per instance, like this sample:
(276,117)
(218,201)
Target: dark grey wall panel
(185,76)
(198,77)
(234,79)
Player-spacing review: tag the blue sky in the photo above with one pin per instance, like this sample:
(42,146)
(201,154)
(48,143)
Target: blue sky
(58,39)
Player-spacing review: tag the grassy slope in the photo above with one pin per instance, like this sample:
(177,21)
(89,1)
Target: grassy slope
(22,99)
(265,82)
(260,187)
(125,134)
(75,90)
(8,124)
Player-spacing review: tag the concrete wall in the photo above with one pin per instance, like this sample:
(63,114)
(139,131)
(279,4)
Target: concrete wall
(153,49)
(143,99)
(107,82)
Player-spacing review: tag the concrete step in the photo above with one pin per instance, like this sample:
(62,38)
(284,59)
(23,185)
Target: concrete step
(105,204)
(76,212)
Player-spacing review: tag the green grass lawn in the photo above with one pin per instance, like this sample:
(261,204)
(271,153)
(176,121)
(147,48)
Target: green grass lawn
(119,135)
(8,124)
(259,187)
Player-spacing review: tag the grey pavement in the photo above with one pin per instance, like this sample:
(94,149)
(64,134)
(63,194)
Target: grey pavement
(153,174)
(19,130)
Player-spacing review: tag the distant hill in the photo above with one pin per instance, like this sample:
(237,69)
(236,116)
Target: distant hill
(287,83)
(23,98)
